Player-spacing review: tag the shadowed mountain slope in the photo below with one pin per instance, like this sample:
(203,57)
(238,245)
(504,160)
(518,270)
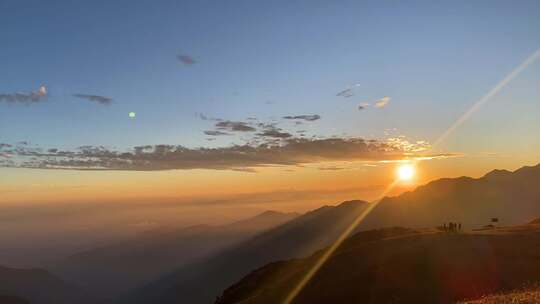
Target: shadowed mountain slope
(112,270)
(12,300)
(513,197)
(38,286)
(201,283)
(422,267)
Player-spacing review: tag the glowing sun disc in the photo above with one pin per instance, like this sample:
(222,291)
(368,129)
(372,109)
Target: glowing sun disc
(405,172)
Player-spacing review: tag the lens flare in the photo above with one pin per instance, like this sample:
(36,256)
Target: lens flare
(330,250)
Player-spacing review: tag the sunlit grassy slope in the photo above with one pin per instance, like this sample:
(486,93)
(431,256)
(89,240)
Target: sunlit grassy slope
(529,295)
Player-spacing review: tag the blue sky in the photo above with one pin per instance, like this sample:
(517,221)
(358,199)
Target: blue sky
(434,59)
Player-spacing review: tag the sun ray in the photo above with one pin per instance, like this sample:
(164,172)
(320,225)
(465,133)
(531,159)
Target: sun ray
(477,105)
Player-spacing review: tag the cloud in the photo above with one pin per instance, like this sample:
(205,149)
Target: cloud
(363,105)
(348,92)
(381,103)
(25,98)
(207,118)
(345,93)
(216,133)
(95,98)
(275,133)
(304,117)
(331,168)
(234,126)
(287,151)
(186,59)
(271,132)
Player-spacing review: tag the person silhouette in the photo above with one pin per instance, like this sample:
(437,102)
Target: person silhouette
(459,227)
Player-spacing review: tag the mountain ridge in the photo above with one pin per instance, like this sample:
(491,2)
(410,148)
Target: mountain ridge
(409,266)
(295,238)
(133,263)
(39,286)
(470,201)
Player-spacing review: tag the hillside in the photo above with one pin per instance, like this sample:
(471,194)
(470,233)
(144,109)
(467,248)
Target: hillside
(201,283)
(12,300)
(38,286)
(112,270)
(421,267)
(528,295)
(511,196)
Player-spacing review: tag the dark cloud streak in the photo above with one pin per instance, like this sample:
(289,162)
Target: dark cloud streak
(289,151)
(95,98)
(304,117)
(234,126)
(186,59)
(25,98)
(216,133)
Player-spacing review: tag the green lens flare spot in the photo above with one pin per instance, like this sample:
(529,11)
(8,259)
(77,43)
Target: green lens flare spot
(132,114)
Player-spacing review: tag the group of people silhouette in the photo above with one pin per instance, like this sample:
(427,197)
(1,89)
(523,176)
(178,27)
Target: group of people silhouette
(452,227)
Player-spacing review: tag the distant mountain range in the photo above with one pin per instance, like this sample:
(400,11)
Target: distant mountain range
(37,286)
(202,282)
(112,270)
(196,264)
(512,197)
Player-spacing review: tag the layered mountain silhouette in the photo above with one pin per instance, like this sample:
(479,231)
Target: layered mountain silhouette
(202,282)
(196,264)
(37,286)
(402,266)
(12,300)
(112,270)
(512,197)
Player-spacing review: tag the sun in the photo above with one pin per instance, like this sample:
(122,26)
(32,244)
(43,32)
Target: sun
(405,172)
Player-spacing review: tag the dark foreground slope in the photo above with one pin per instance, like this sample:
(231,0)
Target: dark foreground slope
(38,286)
(112,270)
(426,267)
(202,282)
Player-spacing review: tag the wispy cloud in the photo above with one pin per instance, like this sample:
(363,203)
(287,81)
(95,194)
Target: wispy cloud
(345,93)
(304,117)
(275,133)
(186,59)
(207,118)
(363,105)
(216,133)
(348,92)
(381,103)
(288,151)
(95,98)
(25,97)
(331,168)
(234,126)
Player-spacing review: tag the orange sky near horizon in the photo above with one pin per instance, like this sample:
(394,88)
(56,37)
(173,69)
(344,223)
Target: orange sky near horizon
(31,186)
